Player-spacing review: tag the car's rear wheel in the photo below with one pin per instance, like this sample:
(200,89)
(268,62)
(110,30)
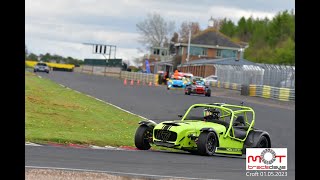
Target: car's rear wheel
(208,93)
(188,91)
(263,142)
(143,137)
(207,143)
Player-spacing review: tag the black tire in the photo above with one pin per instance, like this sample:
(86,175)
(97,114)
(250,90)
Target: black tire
(168,88)
(189,91)
(47,72)
(207,143)
(208,93)
(263,143)
(142,137)
(34,70)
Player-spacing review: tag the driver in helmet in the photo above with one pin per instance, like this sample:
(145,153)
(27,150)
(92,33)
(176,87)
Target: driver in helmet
(210,114)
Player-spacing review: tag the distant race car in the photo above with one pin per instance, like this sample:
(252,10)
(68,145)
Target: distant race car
(197,86)
(179,81)
(41,67)
(206,129)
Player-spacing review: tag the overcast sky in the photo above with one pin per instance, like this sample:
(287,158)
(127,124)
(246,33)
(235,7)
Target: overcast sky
(61,26)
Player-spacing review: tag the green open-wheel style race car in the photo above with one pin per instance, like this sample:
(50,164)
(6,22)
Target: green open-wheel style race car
(206,129)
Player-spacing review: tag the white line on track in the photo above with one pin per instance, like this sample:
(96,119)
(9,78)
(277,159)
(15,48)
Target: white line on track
(114,172)
(109,104)
(32,144)
(39,76)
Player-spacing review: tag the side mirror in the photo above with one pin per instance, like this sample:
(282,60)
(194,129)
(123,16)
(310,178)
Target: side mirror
(180,115)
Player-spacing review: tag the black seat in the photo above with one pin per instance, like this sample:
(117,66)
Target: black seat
(239,121)
(239,133)
(239,128)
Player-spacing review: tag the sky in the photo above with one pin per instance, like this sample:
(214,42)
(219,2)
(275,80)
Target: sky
(62,26)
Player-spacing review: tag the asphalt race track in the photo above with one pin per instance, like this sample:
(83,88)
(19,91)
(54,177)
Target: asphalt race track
(157,103)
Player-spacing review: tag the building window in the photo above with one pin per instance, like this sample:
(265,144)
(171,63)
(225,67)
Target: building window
(156,51)
(198,51)
(180,51)
(218,53)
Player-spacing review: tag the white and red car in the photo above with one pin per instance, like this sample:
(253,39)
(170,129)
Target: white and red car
(197,86)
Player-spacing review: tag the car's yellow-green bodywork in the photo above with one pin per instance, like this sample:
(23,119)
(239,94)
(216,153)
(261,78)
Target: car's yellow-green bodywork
(231,139)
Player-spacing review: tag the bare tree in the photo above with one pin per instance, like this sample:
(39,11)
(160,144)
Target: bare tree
(175,37)
(185,27)
(154,30)
(217,23)
(138,61)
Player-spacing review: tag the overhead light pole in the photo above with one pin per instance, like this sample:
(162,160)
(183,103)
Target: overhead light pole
(188,56)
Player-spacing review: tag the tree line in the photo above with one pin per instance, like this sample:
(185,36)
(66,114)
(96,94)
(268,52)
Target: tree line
(270,40)
(51,57)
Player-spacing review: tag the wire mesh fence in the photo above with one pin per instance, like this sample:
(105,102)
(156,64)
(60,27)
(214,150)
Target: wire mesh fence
(261,74)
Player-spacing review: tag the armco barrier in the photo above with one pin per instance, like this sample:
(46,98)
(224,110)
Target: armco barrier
(282,94)
(142,77)
(51,65)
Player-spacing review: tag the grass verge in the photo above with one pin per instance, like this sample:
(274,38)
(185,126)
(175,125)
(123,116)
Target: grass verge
(57,114)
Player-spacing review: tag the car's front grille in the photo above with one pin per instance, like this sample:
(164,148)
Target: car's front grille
(165,135)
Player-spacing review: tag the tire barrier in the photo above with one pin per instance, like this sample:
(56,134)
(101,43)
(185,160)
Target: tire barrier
(226,85)
(269,92)
(101,70)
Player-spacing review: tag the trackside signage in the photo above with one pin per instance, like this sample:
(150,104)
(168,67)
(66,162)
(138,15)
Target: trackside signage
(266,159)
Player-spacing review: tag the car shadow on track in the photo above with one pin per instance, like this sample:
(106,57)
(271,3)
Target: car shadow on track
(196,95)
(190,154)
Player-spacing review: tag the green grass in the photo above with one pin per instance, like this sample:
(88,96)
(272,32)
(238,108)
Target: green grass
(57,114)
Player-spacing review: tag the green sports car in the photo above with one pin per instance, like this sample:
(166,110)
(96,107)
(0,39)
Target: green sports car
(206,129)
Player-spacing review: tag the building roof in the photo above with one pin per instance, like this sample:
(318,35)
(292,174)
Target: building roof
(223,61)
(169,63)
(212,37)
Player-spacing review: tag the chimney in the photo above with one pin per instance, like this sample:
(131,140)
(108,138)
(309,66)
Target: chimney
(210,22)
(240,54)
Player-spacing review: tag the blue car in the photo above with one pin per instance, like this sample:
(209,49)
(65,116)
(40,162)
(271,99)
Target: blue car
(177,83)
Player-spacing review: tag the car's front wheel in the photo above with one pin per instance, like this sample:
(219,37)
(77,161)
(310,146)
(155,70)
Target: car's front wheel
(143,137)
(207,143)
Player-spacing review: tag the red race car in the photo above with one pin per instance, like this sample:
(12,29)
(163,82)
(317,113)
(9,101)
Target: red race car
(197,86)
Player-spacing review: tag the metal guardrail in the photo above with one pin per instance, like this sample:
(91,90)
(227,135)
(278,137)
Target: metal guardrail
(142,77)
(260,74)
(283,94)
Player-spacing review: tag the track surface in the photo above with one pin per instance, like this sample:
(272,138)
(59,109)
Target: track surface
(158,104)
